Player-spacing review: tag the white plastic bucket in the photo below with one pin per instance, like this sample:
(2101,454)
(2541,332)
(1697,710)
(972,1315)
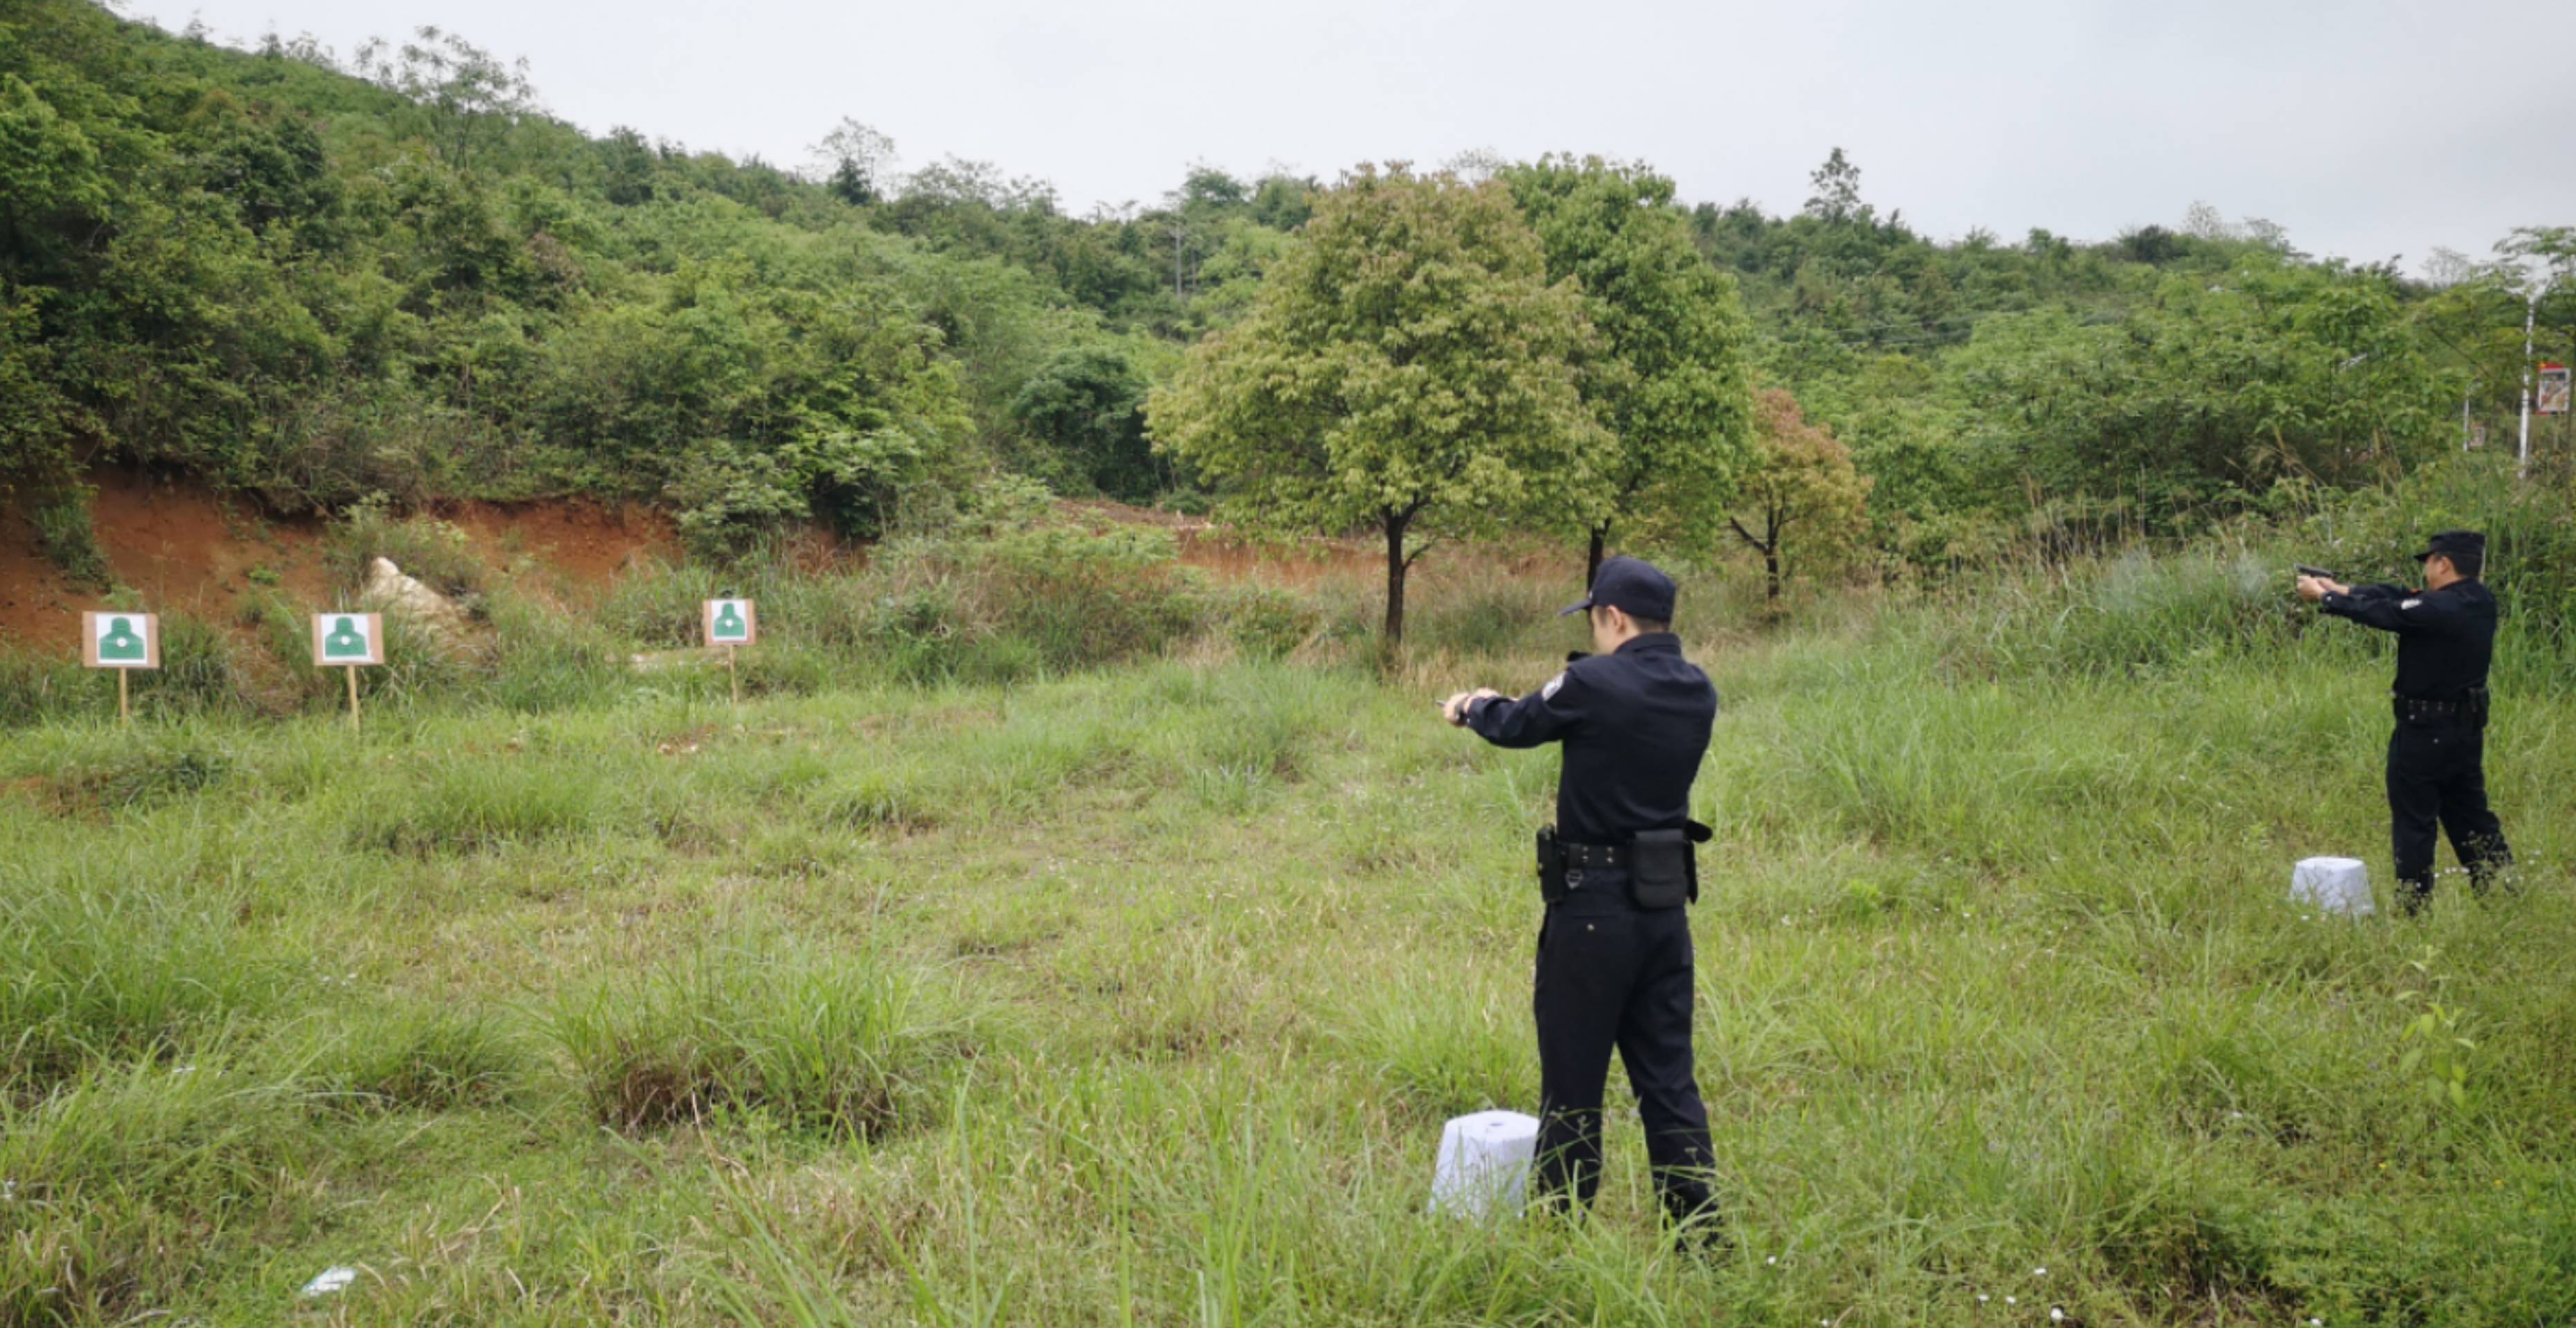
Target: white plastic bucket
(2333,885)
(1484,1163)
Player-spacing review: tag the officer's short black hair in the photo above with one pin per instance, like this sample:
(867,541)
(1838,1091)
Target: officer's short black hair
(2466,563)
(1643,625)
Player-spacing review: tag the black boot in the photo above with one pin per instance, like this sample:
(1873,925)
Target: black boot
(1691,1214)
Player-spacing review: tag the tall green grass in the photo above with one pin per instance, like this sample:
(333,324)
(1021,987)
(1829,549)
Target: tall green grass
(824,1043)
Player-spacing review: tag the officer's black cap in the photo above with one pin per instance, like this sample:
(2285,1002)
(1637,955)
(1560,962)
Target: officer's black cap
(1632,587)
(2457,545)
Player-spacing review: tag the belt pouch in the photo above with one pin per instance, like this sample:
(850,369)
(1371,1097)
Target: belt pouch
(1664,872)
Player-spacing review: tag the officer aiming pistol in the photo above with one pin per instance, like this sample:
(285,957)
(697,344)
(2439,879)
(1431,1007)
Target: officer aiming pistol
(2437,754)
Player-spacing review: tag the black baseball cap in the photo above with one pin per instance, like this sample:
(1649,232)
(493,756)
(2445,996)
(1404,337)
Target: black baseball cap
(2456,545)
(1634,588)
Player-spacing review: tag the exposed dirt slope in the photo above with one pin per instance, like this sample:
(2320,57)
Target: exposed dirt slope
(187,549)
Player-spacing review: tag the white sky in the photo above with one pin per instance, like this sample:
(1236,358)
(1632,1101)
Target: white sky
(2389,127)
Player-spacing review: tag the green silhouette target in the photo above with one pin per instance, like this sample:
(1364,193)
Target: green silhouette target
(348,639)
(120,641)
(731,622)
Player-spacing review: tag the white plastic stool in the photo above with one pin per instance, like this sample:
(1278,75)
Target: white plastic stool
(1484,1163)
(2333,885)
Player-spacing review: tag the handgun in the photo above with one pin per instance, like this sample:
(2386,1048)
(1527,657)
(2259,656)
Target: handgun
(2304,570)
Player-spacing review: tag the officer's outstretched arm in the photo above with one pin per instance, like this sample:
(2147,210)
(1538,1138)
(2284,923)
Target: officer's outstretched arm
(2406,615)
(1543,716)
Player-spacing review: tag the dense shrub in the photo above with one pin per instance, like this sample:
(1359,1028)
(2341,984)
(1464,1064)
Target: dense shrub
(65,535)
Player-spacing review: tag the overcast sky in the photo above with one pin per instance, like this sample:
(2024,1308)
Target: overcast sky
(2368,130)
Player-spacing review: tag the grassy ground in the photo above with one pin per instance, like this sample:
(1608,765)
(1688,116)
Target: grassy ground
(1139,997)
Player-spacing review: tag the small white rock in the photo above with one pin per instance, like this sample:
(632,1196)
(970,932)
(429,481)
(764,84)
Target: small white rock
(332,1279)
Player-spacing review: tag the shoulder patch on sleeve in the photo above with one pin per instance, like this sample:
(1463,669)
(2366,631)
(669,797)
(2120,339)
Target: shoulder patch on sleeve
(1548,693)
(2412,602)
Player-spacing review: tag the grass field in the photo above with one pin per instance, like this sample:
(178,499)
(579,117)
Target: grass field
(1139,996)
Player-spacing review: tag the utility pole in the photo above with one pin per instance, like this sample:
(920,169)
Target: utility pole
(2530,312)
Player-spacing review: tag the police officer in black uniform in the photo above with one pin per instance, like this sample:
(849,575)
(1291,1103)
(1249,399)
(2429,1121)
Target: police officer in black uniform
(1614,951)
(2437,756)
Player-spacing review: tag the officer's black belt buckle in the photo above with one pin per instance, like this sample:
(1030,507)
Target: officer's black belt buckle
(1592,857)
(1561,863)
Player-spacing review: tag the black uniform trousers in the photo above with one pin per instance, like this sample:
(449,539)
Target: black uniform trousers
(1613,975)
(2437,778)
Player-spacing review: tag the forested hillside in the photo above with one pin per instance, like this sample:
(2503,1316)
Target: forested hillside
(315,277)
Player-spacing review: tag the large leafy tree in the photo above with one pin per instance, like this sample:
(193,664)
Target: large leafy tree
(1801,484)
(1407,367)
(1088,404)
(471,96)
(1671,387)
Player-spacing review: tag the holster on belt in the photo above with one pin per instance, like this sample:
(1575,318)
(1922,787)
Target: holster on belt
(1551,866)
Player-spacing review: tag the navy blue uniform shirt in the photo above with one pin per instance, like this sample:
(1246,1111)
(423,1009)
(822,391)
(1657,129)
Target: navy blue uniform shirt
(2445,637)
(1635,724)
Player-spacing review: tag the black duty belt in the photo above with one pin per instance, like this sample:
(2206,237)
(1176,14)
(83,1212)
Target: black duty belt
(2472,706)
(1592,857)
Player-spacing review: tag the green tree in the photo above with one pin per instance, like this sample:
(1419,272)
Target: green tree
(469,94)
(1801,482)
(1671,387)
(855,162)
(1406,367)
(1088,403)
(1837,196)
(630,165)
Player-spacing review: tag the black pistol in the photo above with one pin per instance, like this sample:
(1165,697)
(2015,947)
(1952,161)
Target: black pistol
(2304,570)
